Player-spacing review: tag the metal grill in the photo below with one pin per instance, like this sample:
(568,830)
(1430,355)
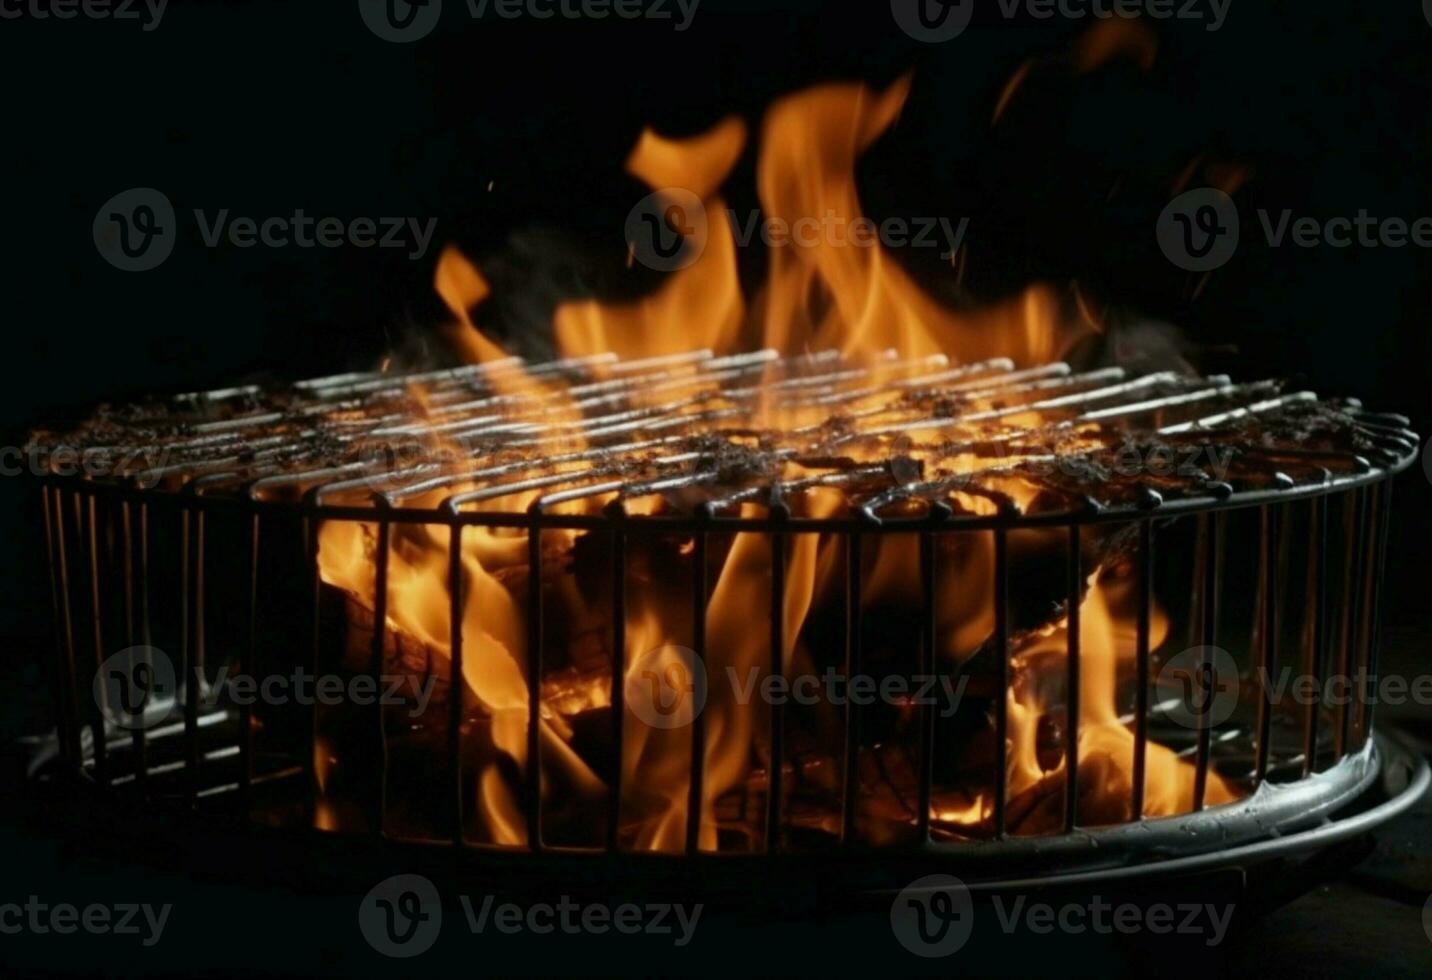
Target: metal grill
(229,490)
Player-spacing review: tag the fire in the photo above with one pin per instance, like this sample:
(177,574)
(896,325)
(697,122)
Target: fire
(704,298)
(821,295)
(1108,645)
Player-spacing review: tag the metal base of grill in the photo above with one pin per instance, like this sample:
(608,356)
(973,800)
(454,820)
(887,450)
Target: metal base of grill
(1358,795)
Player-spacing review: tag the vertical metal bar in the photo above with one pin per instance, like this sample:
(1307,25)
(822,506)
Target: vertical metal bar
(146,632)
(376,668)
(1268,630)
(194,660)
(249,667)
(66,723)
(457,686)
(199,654)
(70,564)
(185,677)
(853,666)
(1001,707)
(139,736)
(1375,641)
(776,774)
(1141,690)
(1353,531)
(696,785)
(97,719)
(1316,658)
(536,637)
(619,545)
(1210,534)
(1368,551)
(929,658)
(1075,592)
(310,758)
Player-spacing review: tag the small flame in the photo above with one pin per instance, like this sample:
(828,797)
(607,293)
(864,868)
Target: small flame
(1108,646)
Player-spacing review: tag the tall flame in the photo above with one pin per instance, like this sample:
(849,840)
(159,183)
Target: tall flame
(831,291)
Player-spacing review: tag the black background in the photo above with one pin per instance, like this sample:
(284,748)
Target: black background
(264,107)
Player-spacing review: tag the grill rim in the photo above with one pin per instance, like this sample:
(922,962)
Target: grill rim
(1091,513)
(360,408)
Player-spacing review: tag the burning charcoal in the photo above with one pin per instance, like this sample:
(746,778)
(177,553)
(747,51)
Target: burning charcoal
(1050,745)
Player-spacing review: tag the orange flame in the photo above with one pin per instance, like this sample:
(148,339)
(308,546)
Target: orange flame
(835,292)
